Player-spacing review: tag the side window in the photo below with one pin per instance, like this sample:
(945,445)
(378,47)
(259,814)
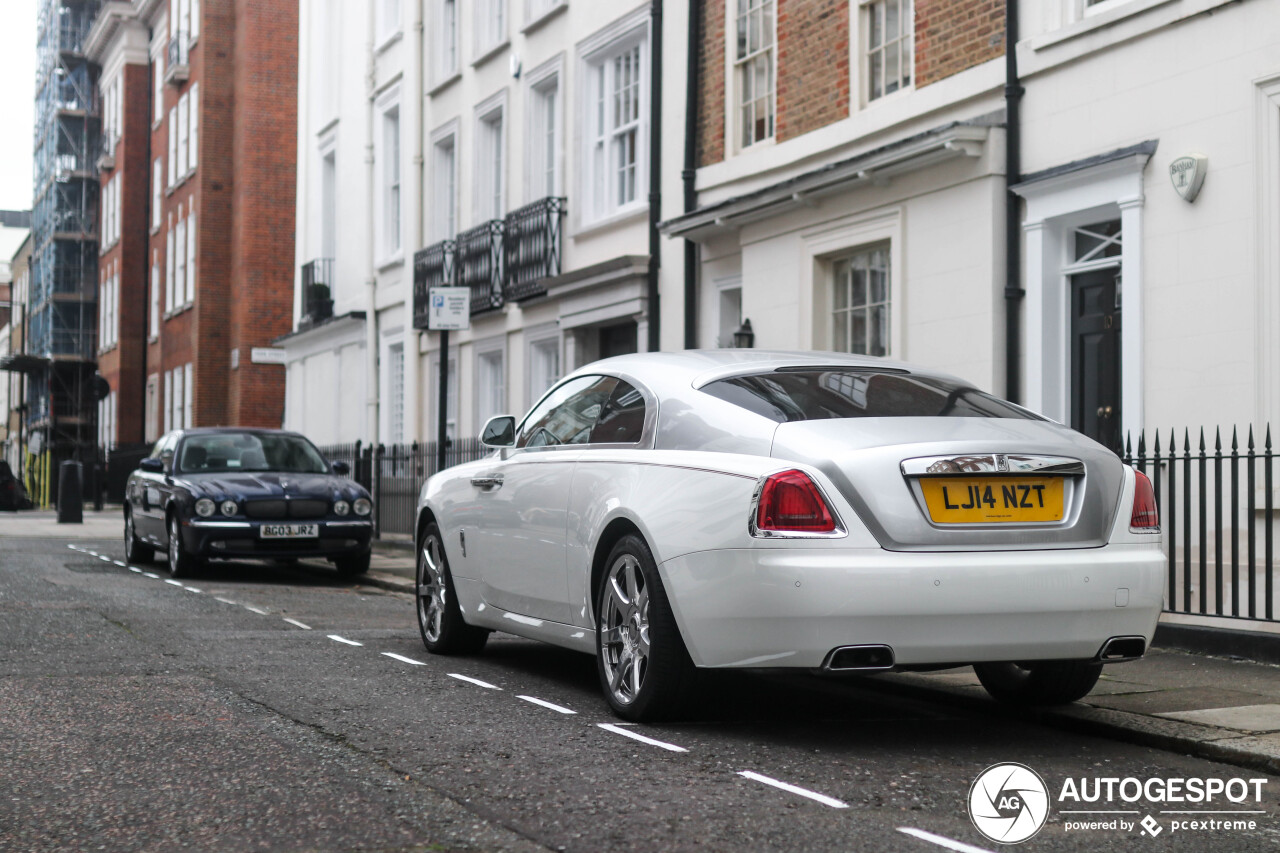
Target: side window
(622,419)
(166,447)
(569,414)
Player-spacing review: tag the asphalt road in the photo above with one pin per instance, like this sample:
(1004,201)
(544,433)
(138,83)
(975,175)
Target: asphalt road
(274,708)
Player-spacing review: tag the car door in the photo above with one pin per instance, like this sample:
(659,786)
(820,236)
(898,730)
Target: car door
(148,506)
(523,501)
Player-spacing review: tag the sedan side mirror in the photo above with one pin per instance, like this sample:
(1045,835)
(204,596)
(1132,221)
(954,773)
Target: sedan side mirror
(500,431)
(341,468)
(152,465)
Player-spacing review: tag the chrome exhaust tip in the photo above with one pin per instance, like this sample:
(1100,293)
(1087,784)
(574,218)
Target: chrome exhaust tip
(868,658)
(1119,649)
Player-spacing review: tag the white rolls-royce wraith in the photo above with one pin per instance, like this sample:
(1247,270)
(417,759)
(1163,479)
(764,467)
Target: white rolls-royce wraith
(669,512)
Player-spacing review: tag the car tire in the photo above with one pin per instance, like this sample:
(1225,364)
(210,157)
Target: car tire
(645,670)
(135,550)
(1057,682)
(444,631)
(353,565)
(182,563)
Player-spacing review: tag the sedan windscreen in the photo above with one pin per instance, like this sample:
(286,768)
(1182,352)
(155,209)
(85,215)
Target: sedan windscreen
(229,452)
(805,395)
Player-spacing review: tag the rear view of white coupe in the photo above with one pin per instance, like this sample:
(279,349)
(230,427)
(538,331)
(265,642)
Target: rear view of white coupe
(672,512)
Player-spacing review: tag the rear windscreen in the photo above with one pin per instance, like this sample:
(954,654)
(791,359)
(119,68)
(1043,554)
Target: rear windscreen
(810,395)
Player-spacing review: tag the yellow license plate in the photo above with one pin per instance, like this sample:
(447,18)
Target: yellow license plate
(992,500)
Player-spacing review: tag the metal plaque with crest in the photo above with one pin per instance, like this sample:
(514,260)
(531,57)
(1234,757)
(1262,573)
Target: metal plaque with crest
(1187,174)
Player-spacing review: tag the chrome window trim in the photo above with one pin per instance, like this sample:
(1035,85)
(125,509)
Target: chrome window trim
(1002,464)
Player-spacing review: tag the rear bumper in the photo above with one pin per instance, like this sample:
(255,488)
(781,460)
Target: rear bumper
(242,540)
(790,607)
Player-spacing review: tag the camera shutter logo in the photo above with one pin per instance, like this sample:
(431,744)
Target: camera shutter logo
(1008,803)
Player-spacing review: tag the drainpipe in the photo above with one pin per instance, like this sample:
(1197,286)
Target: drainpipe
(690,175)
(412,374)
(371,282)
(655,173)
(1013,291)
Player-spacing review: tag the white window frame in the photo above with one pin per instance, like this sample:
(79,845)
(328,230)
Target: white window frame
(169,262)
(389,25)
(490,26)
(171,131)
(193,126)
(152,414)
(329,186)
(865,51)
(483,402)
(394,352)
(188,396)
(841,317)
(489,190)
(537,11)
(389,216)
(444,201)
(154,312)
(546,78)
(599,51)
(447,64)
(184,124)
(180,260)
(741,69)
(157,82)
(536,337)
(167,403)
(157,194)
(191,256)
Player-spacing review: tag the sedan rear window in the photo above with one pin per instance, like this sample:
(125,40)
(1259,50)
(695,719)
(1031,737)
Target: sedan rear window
(808,395)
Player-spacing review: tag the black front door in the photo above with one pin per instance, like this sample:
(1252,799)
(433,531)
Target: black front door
(1095,356)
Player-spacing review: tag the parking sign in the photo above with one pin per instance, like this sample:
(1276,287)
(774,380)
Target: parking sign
(450,309)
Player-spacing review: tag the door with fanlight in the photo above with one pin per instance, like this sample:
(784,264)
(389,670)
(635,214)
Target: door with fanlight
(1095,333)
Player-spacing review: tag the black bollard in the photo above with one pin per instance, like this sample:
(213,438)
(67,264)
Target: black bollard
(70,495)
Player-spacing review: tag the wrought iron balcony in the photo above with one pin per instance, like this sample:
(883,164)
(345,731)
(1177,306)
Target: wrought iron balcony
(532,247)
(432,267)
(177,71)
(480,265)
(317,291)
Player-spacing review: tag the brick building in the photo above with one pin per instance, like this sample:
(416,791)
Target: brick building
(197,185)
(851,178)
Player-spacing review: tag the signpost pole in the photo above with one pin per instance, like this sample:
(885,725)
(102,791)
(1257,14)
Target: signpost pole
(443,408)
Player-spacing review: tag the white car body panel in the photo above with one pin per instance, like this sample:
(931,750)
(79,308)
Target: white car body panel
(743,601)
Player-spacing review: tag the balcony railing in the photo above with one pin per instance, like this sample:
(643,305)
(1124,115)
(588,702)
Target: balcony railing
(532,247)
(479,265)
(177,71)
(317,291)
(432,267)
(502,260)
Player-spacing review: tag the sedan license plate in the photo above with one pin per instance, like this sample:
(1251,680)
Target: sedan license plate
(993,500)
(289,531)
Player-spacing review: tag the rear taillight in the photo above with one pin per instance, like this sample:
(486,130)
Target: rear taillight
(1146,516)
(791,503)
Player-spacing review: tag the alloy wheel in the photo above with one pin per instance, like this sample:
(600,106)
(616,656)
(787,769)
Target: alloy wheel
(432,591)
(624,637)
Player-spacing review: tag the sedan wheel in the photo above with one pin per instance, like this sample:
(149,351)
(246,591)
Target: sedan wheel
(444,631)
(182,564)
(135,550)
(644,668)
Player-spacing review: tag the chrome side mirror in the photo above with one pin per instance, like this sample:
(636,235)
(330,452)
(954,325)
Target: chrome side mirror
(500,431)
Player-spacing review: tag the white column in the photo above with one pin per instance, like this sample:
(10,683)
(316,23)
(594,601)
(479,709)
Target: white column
(1033,366)
(1132,410)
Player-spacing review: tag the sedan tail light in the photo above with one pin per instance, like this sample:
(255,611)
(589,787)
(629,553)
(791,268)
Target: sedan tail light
(1146,515)
(790,502)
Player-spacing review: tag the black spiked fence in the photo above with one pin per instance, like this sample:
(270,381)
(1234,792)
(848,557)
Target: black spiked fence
(1217,509)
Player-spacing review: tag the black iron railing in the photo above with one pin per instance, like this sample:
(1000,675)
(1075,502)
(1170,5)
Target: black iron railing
(178,49)
(432,267)
(1217,511)
(317,291)
(479,265)
(532,247)
(502,260)
(394,475)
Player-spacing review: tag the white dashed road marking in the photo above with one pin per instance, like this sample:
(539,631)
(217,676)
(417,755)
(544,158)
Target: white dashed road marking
(942,841)
(344,640)
(404,659)
(486,685)
(257,610)
(152,575)
(292,622)
(226,601)
(544,703)
(190,589)
(120,564)
(104,558)
(175,583)
(135,569)
(618,730)
(803,792)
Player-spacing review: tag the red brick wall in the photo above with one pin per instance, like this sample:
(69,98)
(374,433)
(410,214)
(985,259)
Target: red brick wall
(711,82)
(953,35)
(264,145)
(813,65)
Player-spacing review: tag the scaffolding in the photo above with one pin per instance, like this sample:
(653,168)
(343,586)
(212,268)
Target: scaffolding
(62,301)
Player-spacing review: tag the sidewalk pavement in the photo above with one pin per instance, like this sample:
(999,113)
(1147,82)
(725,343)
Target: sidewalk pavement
(1222,708)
